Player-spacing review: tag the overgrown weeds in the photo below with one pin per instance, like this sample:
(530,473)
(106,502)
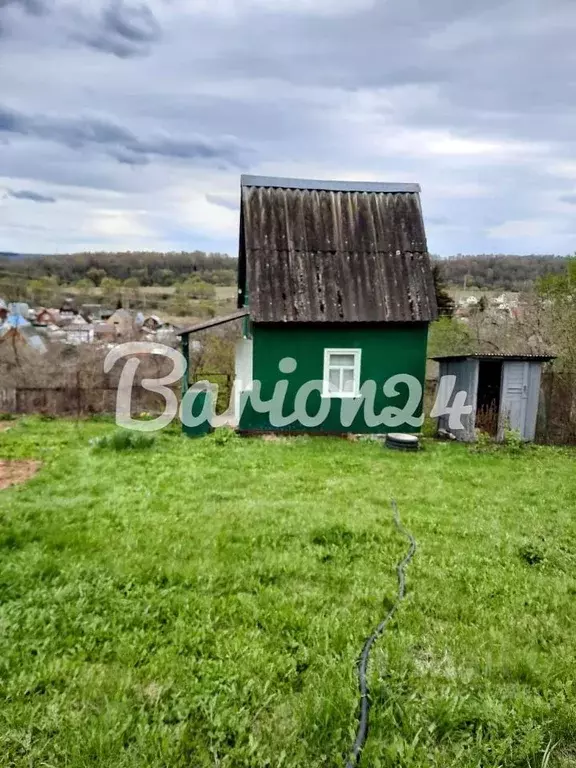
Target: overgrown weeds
(123,440)
(512,443)
(223,436)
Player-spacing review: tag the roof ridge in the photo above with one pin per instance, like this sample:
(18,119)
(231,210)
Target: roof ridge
(336,251)
(329,185)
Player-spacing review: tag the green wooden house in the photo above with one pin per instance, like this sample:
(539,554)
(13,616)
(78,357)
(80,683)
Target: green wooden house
(336,293)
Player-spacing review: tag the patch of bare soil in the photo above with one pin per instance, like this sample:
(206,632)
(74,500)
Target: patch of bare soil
(4,425)
(15,471)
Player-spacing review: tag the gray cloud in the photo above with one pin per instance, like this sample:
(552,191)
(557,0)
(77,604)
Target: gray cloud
(117,141)
(438,221)
(32,7)
(224,201)
(27,194)
(122,29)
(458,96)
(482,61)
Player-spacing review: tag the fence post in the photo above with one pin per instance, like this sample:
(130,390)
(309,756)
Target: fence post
(186,353)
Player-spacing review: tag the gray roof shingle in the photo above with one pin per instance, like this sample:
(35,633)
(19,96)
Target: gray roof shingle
(334,252)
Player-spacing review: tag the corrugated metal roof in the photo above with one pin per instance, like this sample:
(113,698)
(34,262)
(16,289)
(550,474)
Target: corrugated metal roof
(334,253)
(332,186)
(497,356)
(213,322)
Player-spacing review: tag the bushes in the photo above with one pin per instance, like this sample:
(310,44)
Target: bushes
(224,435)
(123,440)
(512,443)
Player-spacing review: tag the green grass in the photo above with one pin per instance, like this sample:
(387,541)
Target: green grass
(204,604)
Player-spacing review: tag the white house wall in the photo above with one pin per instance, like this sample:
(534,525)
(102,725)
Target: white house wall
(244,371)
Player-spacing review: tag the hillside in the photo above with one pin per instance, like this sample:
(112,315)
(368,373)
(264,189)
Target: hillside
(498,272)
(148,267)
(482,271)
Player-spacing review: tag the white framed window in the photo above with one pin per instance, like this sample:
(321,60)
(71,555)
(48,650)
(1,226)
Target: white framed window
(341,373)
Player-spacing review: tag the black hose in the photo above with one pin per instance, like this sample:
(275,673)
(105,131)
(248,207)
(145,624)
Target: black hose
(362,732)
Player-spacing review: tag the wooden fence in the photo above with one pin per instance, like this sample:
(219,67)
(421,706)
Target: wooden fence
(75,401)
(556,416)
(557,410)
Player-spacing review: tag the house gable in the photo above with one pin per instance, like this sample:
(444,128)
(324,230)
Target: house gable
(333,252)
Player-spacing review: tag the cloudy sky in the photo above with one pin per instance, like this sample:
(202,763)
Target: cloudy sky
(127,124)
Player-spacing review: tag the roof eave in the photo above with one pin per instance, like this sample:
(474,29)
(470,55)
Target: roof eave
(214,322)
(330,186)
(535,358)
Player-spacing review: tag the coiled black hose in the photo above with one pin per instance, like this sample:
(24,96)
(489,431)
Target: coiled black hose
(362,732)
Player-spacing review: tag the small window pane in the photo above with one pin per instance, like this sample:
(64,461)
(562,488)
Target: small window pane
(334,380)
(348,380)
(343,360)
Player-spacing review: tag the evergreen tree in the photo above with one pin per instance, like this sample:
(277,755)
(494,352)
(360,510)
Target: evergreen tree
(443,299)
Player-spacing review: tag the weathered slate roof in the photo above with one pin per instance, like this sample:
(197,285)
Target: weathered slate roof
(313,251)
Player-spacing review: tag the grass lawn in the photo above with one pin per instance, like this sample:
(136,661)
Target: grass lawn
(203,604)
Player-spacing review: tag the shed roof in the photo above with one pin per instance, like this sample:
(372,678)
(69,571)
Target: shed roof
(536,358)
(333,251)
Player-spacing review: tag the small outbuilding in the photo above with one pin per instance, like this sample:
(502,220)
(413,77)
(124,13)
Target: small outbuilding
(46,316)
(123,321)
(502,390)
(336,291)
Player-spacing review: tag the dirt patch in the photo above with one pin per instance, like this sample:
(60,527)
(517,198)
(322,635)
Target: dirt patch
(4,425)
(15,471)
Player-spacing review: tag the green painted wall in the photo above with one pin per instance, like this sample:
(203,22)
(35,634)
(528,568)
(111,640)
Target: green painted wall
(387,350)
(198,408)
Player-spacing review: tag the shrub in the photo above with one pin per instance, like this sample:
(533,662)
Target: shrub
(123,440)
(513,441)
(224,435)
(484,443)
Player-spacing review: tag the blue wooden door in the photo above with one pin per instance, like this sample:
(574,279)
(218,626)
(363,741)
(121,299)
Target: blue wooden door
(514,397)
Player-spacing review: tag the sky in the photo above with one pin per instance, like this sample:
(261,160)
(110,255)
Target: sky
(126,125)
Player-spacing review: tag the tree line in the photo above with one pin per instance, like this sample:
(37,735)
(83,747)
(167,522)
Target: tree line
(499,272)
(148,268)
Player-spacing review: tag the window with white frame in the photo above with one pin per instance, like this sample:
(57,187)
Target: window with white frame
(341,373)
